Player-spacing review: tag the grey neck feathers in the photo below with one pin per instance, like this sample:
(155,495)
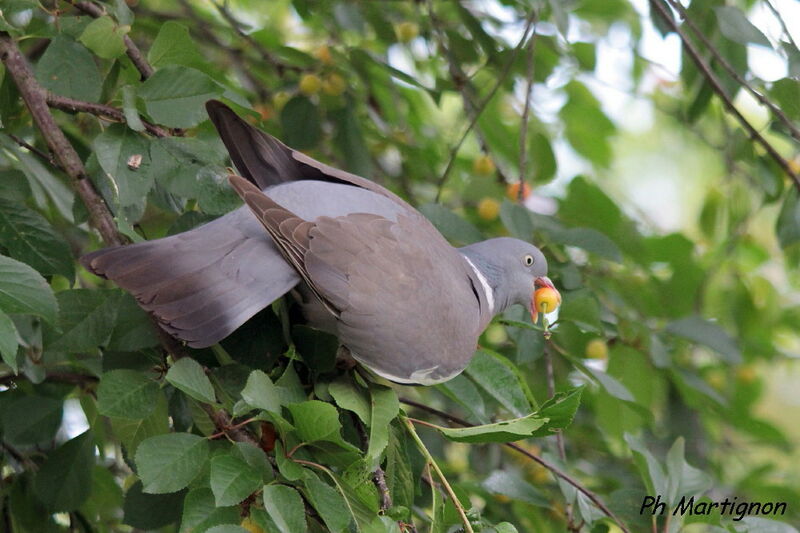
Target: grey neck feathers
(493,273)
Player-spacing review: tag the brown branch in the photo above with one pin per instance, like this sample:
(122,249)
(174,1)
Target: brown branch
(103,111)
(280,67)
(523,132)
(552,468)
(222,421)
(48,158)
(717,87)
(462,83)
(732,72)
(34,96)
(133,52)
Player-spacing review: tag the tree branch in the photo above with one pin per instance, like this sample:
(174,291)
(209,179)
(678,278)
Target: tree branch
(794,130)
(717,87)
(523,132)
(133,52)
(552,468)
(462,83)
(101,110)
(34,96)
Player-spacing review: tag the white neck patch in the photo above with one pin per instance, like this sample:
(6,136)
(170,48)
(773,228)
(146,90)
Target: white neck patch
(487,289)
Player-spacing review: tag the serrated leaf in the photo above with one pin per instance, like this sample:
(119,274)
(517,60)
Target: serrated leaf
(500,382)
(261,393)
(560,409)
(132,431)
(174,96)
(126,394)
(505,431)
(168,463)
(174,46)
(734,25)
(29,238)
(68,69)
(8,341)
(384,407)
(301,123)
(188,376)
(285,507)
(104,37)
(232,480)
(328,502)
(31,420)
(348,396)
(149,511)
(316,420)
(63,482)
(86,320)
(200,512)
(23,290)
(255,458)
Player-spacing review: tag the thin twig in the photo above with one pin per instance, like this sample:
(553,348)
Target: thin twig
(222,421)
(552,468)
(101,110)
(477,110)
(34,96)
(46,157)
(551,390)
(523,132)
(135,55)
(732,72)
(432,462)
(717,87)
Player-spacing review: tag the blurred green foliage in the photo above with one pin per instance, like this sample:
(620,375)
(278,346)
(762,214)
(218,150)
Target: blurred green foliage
(102,431)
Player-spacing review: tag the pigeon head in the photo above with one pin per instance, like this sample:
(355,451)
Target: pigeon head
(511,269)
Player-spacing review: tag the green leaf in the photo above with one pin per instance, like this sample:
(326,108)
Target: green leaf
(587,128)
(590,240)
(68,69)
(611,385)
(168,463)
(702,331)
(175,95)
(133,431)
(499,381)
(399,475)
(318,348)
(330,505)
(64,481)
(125,185)
(734,25)
(464,392)
(8,341)
(316,420)
(452,226)
(384,407)
(232,480)
(517,220)
(788,225)
(188,376)
(787,93)
(285,507)
(505,431)
(200,512)
(132,117)
(86,320)
(255,458)
(29,238)
(301,123)
(349,396)
(581,308)
(23,290)
(174,46)
(261,393)
(682,478)
(126,394)
(149,511)
(510,484)
(104,37)
(560,409)
(227,528)
(31,420)
(543,159)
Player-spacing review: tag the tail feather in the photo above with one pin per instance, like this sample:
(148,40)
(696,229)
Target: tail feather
(202,284)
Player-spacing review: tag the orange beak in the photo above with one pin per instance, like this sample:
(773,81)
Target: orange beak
(542,283)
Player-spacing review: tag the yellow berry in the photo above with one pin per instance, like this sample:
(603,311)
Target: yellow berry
(323,53)
(746,374)
(406,31)
(249,525)
(512,191)
(279,99)
(483,166)
(488,209)
(496,334)
(717,379)
(333,84)
(597,349)
(546,300)
(310,84)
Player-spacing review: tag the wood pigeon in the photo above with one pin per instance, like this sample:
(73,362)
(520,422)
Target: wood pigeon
(367,266)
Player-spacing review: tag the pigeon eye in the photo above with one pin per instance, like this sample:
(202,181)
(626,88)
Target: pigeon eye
(528,260)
